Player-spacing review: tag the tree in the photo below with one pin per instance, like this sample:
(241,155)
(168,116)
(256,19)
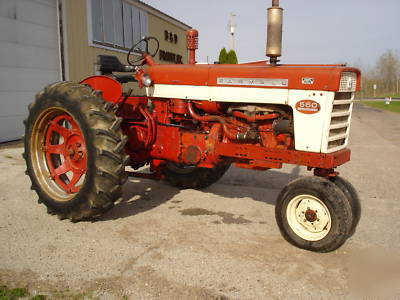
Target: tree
(387,70)
(232,58)
(385,74)
(227,57)
(223,56)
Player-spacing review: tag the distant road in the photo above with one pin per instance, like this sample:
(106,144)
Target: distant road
(376,99)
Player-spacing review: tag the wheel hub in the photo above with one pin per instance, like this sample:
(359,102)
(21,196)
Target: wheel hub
(311,215)
(75,150)
(65,152)
(308,217)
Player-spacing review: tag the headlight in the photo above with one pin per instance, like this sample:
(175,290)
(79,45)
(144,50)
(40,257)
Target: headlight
(146,80)
(348,82)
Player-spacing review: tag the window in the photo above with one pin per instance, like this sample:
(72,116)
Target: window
(117,23)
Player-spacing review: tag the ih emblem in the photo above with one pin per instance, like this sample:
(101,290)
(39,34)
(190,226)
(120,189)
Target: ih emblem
(307,80)
(308,107)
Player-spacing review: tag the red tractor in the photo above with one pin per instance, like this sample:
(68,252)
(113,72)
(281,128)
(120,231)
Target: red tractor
(194,122)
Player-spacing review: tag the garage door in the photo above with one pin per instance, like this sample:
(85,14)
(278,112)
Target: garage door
(29,58)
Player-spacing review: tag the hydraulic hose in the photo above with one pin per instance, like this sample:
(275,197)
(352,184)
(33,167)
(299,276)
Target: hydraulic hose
(256,118)
(151,126)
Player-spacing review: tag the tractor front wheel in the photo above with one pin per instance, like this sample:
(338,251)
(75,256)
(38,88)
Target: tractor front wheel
(314,214)
(352,196)
(74,151)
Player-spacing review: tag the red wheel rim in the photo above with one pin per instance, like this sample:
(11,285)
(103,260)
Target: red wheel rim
(65,153)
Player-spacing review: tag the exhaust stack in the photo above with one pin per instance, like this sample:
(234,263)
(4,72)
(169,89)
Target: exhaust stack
(274,32)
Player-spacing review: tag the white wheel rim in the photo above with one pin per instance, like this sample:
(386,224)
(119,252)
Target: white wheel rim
(308,217)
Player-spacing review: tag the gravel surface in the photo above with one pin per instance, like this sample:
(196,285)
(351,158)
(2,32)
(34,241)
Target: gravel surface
(219,243)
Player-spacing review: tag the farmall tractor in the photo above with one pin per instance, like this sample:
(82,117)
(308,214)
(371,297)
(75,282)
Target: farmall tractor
(196,121)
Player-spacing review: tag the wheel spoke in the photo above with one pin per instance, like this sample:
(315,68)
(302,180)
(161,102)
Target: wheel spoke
(55,149)
(64,168)
(77,174)
(64,132)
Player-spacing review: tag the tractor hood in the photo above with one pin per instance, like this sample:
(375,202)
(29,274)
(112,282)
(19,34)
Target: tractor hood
(253,75)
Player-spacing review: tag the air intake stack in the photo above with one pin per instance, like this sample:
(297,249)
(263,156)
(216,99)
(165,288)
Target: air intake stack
(274,34)
(192,43)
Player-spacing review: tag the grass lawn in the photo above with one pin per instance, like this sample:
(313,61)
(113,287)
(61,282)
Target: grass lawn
(7,293)
(394,106)
(12,294)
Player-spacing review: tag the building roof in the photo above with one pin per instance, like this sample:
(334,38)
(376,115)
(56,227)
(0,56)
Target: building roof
(161,14)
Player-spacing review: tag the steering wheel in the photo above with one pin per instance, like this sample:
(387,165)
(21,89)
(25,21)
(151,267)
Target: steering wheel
(135,48)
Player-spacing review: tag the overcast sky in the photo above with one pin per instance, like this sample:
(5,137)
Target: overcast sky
(315,31)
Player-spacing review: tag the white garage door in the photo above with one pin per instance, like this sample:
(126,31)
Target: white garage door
(29,58)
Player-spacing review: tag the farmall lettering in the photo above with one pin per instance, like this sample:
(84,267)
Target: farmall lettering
(194,122)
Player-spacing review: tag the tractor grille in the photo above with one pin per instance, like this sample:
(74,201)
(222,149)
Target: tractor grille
(340,121)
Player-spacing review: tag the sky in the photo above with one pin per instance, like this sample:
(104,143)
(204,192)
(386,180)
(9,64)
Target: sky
(356,32)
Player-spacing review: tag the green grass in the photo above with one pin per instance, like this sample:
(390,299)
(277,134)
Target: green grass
(38,297)
(17,293)
(394,106)
(12,294)
(7,293)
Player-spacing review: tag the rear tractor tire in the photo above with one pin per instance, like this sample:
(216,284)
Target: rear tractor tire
(74,151)
(314,214)
(193,177)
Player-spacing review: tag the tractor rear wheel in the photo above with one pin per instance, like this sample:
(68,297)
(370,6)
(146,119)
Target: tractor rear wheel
(193,177)
(314,214)
(74,151)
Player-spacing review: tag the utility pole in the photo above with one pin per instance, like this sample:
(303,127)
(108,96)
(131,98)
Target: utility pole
(232,29)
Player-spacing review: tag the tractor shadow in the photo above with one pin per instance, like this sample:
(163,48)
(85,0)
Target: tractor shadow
(141,195)
(263,186)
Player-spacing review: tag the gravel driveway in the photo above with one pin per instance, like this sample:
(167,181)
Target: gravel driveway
(219,243)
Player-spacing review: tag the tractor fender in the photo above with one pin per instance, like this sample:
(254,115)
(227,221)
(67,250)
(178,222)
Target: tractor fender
(111,89)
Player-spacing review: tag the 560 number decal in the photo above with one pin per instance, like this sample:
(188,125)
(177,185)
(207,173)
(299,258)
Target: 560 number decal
(308,106)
